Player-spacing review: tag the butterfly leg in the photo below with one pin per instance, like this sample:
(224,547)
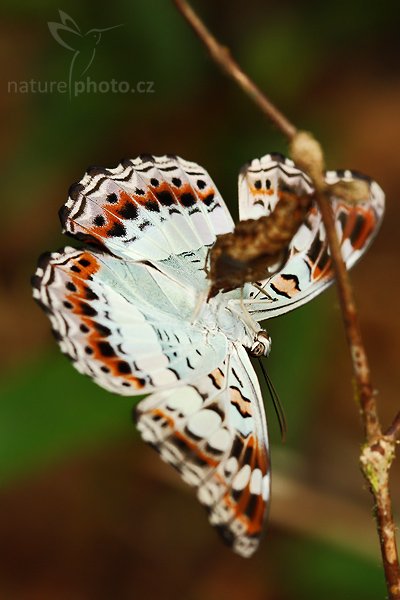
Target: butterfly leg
(238,308)
(259,343)
(200,302)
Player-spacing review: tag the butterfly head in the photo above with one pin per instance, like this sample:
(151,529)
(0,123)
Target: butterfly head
(261,344)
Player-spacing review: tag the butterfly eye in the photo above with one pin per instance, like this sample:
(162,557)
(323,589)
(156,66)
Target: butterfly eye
(262,344)
(257,349)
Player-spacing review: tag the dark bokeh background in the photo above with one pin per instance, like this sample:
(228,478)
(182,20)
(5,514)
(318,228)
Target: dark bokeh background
(86,510)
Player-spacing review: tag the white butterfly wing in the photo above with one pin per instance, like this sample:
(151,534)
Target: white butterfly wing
(126,325)
(261,180)
(213,431)
(308,269)
(149,208)
(122,311)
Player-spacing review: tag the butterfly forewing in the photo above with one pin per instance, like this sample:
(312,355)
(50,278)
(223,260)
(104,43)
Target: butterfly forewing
(148,208)
(121,325)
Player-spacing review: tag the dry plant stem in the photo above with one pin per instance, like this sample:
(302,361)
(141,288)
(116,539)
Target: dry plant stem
(359,357)
(394,430)
(223,58)
(378,452)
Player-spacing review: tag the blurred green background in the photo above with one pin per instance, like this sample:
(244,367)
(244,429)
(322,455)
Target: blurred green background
(86,510)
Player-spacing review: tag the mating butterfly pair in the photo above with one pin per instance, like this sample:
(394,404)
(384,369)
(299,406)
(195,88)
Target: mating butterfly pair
(131,310)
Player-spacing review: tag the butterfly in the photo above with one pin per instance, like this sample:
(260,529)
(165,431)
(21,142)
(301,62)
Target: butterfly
(131,308)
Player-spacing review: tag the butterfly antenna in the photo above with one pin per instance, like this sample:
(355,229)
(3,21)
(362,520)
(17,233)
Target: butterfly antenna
(260,289)
(276,402)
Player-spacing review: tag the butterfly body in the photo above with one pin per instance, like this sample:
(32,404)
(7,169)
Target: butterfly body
(133,310)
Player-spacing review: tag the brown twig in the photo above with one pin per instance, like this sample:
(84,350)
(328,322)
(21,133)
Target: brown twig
(222,56)
(378,451)
(369,414)
(394,430)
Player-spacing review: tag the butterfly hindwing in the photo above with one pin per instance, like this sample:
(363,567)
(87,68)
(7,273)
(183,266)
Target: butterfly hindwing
(213,432)
(308,269)
(261,181)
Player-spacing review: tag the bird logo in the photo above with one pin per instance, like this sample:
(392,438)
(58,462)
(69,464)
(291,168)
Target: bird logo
(83,45)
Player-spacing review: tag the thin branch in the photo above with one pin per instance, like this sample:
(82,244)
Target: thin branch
(222,56)
(367,400)
(378,452)
(393,431)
